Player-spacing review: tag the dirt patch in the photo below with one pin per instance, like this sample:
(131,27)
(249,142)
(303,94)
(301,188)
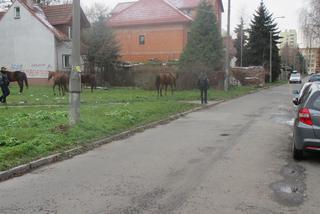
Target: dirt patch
(61,129)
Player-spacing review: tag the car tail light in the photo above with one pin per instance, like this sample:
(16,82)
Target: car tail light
(305,117)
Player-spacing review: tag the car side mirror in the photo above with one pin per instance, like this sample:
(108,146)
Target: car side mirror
(295,92)
(295,101)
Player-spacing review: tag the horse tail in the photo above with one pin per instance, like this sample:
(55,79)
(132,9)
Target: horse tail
(26,80)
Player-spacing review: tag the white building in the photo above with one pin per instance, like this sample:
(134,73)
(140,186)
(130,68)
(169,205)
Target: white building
(288,38)
(37,39)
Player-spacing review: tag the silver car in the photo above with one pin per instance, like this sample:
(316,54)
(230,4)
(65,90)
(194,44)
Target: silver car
(306,130)
(295,78)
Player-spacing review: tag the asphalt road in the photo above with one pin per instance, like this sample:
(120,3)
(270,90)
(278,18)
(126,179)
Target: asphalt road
(229,159)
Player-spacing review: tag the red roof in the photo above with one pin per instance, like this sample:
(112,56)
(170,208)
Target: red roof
(121,6)
(62,14)
(149,12)
(58,14)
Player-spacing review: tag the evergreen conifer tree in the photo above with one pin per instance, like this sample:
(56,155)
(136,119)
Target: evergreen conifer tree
(204,50)
(259,41)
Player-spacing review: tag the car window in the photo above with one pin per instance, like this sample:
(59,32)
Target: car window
(314,78)
(295,75)
(315,101)
(304,89)
(305,95)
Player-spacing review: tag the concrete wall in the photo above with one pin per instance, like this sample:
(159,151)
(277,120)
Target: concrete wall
(255,75)
(26,44)
(162,42)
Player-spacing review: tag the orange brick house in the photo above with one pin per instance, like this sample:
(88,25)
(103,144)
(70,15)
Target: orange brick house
(155,29)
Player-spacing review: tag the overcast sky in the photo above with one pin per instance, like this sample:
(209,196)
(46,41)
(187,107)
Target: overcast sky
(288,8)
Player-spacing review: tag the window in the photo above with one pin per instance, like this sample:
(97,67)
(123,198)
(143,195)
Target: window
(66,61)
(141,40)
(188,36)
(17,12)
(70,32)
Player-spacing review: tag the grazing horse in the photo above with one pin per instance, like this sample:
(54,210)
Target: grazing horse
(60,79)
(90,79)
(165,79)
(17,76)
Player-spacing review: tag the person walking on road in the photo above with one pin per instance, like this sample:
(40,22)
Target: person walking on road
(203,85)
(4,85)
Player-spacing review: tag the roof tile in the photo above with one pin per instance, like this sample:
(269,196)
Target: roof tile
(149,12)
(58,14)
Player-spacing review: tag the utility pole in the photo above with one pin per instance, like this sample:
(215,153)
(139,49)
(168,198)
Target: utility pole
(75,77)
(271,35)
(241,54)
(226,80)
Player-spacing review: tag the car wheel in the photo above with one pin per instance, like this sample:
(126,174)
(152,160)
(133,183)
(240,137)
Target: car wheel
(297,154)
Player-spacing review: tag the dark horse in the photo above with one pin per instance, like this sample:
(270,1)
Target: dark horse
(61,80)
(89,79)
(18,76)
(163,80)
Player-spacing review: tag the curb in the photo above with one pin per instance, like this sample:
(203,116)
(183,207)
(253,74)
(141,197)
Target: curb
(26,168)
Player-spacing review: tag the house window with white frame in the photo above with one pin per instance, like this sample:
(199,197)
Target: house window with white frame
(66,61)
(70,32)
(17,13)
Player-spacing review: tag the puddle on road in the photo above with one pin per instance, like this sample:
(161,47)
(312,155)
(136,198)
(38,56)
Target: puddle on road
(291,190)
(289,193)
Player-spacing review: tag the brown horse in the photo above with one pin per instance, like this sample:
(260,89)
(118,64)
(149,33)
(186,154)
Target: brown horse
(61,80)
(89,79)
(163,80)
(17,76)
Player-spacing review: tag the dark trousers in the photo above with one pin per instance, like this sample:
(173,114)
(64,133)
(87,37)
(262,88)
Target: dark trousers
(5,92)
(204,95)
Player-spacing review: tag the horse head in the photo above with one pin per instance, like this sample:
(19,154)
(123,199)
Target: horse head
(50,75)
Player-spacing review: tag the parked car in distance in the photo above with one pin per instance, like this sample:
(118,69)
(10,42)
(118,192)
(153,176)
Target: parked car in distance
(314,78)
(295,78)
(306,128)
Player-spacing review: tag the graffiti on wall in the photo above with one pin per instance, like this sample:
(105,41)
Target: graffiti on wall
(34,70)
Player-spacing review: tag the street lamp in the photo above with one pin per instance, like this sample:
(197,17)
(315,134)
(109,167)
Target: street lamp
(271,36)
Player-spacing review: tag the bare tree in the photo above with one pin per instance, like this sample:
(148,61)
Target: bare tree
(310,21)
(97,11)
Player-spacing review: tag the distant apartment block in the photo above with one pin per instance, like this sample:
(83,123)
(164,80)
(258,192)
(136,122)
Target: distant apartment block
(289,38)
(311,56)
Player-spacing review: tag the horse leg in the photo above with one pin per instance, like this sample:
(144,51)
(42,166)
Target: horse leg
(59,89)
(54,91)
(20,83)
(166,88)
(171,85)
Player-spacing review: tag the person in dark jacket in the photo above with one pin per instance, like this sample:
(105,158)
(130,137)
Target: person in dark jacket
(4,85)
(203,85)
